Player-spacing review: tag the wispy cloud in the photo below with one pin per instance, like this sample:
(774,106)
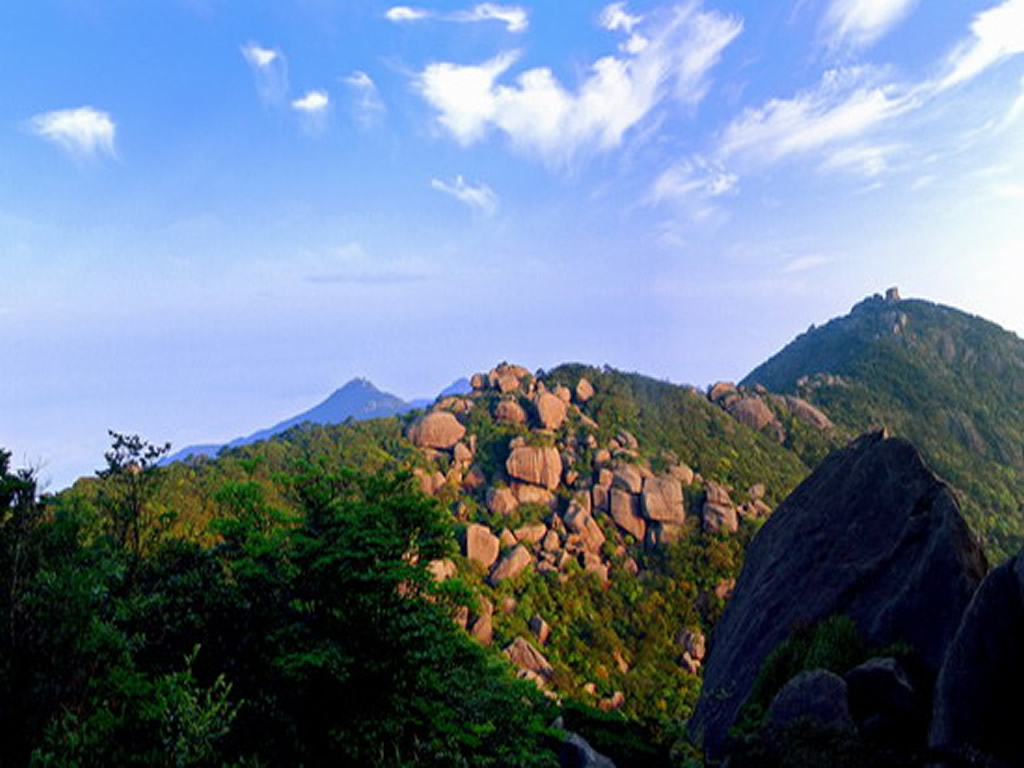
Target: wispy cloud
(693,179)
(366,102)
(270,70)
(996,34)
(846,104)
(859,23)
(515,18)
(541,116)
(312,108)
(82,132)
(862,159)
(480,198)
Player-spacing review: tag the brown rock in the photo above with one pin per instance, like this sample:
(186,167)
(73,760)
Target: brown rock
(751,411)
(550,542)
(624,511)
(540,628)
(756,491)
(602,456)
(478,381)
(533,494)
(507,538)
(716,494)
(501,501)
(694,643)
(430,482)
(628,478)
(531,533)
(682,473)
(584,390)
(442,570)
(481,627)
(807,413)
(511,565)
(613,702)
(474,479)
(482,546)
(524,655)
(562,393)
(551,410)
(462,454)
(600,498)
(510,411)
(722,391)
(605,477)
(719,519)
(627,440)
(536,465)
(582,523)
(438,429)
(662,534)
(663,500)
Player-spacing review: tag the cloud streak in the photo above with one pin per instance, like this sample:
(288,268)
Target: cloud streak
(367,105)
(860,23)
(541,116)
(82,132)
(996,34)
(480,198)
(270,71)
(515,18)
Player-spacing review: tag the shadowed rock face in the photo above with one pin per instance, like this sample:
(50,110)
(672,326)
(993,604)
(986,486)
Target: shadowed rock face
(871,534)
(977,696)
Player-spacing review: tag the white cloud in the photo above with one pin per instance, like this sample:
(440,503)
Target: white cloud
(515,18)
(863,160)
(367,104)
(845,105)
(83,132)
(859,23)
(541,116)
(402,13)
(270,69)
(312,103)
(480,198)
(996,34)
(615,16)
(689,180)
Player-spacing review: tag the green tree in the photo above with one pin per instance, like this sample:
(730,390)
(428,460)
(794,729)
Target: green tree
(131,478)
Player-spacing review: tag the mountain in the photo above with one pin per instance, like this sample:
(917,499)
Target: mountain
(358,399)
(950,382)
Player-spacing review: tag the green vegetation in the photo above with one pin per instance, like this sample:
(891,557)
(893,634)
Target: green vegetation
(950,382)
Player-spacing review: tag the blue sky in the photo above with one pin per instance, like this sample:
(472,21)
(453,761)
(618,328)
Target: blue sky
(212,213)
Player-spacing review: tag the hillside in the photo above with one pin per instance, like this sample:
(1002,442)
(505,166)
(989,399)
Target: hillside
(950,382)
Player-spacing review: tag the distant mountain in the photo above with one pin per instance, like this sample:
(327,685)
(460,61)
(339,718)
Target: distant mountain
(359,399)
(951,382)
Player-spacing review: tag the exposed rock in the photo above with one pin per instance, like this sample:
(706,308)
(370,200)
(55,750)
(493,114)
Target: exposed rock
(628,478)
(510,411)
(751,411)
(430,482)
(694,643)
(507,538)
(724,589)
(501,501)
(602,456)
(550,542)
(524,655)
(689,663)
(508,605)
(807,413)
(584,390)
(540,628)
(442,570)
(605,477)
(533,494)
(816,695)
(474,479)
(462,454)
(978,693)
(682,473)
(599,497)
(551,410)
(478,381)
(511,565)
(723,392)
(562,393)
(531,533)
(613,702)
(719,519)
(453,403)
(482,625)
(885,705)
(580,522)
(438,429)
(663,500)
(872,534)
(756,491)
(461,617)
(627,440)
(481,545)
(536,465)
(577,753)
(624,511)
(717,494)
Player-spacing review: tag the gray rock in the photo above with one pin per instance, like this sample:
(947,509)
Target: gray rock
(816,695)
(577,753)
(872,534)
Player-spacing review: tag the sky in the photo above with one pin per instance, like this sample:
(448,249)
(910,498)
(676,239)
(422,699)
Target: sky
(214,213)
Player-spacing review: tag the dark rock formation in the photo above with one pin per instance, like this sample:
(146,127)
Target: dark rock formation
(816,695)
(871,534)
(977,696)
(577,753)
(884,703)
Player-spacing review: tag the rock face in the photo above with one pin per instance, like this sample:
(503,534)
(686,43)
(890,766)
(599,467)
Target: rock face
(539,466)
(438,429)
(984,672)
(577,753)
(481,545)
(514,563)
(523,654)
(551,410)
(510,411)
(751,411)
(871,534)
(584,390)
(624,513)
(816,695)
(663,500)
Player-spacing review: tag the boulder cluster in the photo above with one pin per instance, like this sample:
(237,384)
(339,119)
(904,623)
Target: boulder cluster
(582,502)
(762,410)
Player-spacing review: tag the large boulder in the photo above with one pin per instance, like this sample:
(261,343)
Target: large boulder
(816,695)
(872,534)
(525,655)
(979,689)
(511,565)
(438,429)
(584,390)
(537,465)
(663,500)
(481,545)
(510,411)
(751,411)
(625,513)
(629,478)
(551,410)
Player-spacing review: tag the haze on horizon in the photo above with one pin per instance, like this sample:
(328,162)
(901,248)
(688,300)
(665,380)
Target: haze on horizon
(214,214)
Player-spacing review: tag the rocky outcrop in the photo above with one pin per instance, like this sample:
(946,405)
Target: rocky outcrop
(551,410)
(482,546)
(718,513)
(751,411)
(624,511)
(438,429)
(577,753)
(524,655)
(584,391)
(978,693)
(817,696)
(663,500)
(537,465)
(510,411)
(872,534)
(502,501)
(511,565)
